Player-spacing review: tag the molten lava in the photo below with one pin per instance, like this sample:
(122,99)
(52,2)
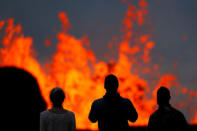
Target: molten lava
(77,71)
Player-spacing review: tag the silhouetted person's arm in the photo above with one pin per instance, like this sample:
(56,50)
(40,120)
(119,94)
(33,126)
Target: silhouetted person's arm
(132,113)
(182,123)
(151,124)
(93,113)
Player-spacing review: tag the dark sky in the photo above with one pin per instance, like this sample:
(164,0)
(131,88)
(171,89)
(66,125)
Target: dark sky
(171,20)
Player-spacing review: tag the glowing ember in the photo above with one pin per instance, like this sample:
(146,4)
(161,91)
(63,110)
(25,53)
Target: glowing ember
(76,69)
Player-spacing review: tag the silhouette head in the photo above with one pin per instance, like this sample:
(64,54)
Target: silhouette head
(163,96)
(20,99)
(57,96)
(111,84)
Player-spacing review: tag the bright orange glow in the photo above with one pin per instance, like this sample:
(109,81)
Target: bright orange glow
(1,24)
(75,68)
(143,3)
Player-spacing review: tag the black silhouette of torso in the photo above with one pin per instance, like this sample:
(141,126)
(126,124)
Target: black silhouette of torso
(112,113)
(21,100)
(167,118)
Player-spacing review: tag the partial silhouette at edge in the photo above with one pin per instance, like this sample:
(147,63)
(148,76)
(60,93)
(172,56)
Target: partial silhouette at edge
(166,118)
(21,100)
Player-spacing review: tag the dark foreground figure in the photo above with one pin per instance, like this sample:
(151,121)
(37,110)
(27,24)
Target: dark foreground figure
(166,118)
(21,101)
(112,111)
(57,118)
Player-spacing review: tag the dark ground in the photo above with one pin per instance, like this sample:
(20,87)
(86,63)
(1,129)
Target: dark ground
(192,128)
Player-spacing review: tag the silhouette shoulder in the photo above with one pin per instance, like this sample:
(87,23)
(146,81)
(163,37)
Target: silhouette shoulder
(179,115)
(170,113)
(71,113)
(44,114)
(125,100)
(48,115)
(98,101)
(154,114)
(47,112)
(177,111)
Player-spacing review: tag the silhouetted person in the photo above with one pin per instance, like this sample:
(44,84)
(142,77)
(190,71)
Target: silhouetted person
(21,101)
(57,118)
(112,111)
(166,118)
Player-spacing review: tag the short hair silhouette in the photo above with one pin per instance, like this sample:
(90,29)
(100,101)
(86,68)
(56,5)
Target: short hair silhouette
(166,118)
(111,83)
(57,96)
(163,96)
(112,111)
(57,118)
(21,100)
